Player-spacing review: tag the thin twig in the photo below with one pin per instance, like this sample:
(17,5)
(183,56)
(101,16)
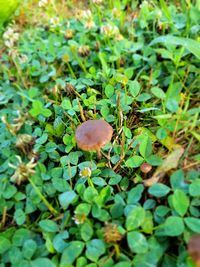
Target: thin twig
(81,112)
(122,157)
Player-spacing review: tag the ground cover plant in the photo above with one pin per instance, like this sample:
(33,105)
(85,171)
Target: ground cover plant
(134,64)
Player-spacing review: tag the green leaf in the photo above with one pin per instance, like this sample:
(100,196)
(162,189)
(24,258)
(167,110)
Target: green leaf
(69,173)
(135,194)
(154,160)
(109,90)
(48,226)
(20,236)
(191,45)
(5,244)
(7,9)
(29,248)
(36,109)
(89,194)
(166,10)
(137,242)
(134,88)
(180,202)
(95,248)
(123,264)
(159,93)
(145,147)
(147,225)
(162,211)
(58,242)
(194,188)
(19,216)
(159,190)
(9,191)
(135,218)
(177,181)
(86,231)
(104,195)
(161,133)
(46,112)
(193,224)
(66,104)
(83,208)
(172,105)
(115,179)
(129,72)
(105,111)
(143,97)
(134,162)
(42,262)
(67,198)
(81,262)
(173,226)
(104,64)
(71,252)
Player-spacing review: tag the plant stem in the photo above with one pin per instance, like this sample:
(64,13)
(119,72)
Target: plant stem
(47,204)
(117,250)
(71,70)
(90,182)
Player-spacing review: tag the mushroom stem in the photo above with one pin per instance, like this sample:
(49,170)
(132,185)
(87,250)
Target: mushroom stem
(98,153)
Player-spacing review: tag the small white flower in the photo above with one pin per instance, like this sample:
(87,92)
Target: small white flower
(22,171)
(79,218)
(13,53)
(55,22)
(110,30)
(85,172)
(116,12)
(97,2)
(42,3)
(10,37)
(23,59)
(87,14)
(9,44)
(159,13)
(89,24)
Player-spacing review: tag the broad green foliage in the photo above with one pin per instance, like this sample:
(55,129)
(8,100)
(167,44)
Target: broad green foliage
(134,64)
(7,8)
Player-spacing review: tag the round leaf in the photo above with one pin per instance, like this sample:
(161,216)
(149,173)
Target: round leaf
(180,202)
(19,216)
(86,231)
(135,218)
(173,226)
(4,244)
(71,252)
(134,162)
(194,188)
(137,242)
(159,190)
(193,224)
(95,248)
(48,226)
(159,93)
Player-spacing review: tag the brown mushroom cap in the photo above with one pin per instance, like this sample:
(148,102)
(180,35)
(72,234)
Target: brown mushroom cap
(145,168)
(93,134)
(194,249)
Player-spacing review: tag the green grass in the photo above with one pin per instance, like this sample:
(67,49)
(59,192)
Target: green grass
(137,67)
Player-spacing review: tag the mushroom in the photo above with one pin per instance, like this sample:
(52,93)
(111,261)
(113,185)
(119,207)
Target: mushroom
(93,135)
(145,168)
(194,249)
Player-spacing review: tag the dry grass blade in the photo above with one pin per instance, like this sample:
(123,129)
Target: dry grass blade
(171,162)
